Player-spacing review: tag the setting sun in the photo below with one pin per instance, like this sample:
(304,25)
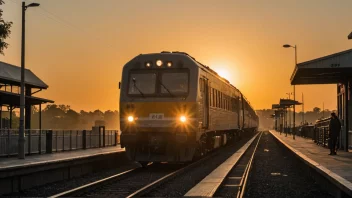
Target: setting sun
(223,73)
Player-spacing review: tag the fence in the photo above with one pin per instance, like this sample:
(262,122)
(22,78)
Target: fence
(321,132)
(47,141)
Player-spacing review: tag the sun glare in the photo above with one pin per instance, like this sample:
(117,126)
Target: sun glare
(223,73)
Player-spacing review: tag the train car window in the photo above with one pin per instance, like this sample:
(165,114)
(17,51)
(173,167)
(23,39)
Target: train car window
(211,96)
(201,84)
(221,101)
(142,83)
(217,99)
(175,82)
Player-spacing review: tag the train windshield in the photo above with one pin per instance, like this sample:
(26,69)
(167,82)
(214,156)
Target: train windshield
(175,83)
(158,83)
(142,83)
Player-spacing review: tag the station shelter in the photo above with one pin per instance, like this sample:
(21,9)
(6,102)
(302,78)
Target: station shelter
(331,69)
(10,89)
(281,113)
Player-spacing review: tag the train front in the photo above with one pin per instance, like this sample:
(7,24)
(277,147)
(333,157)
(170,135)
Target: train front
(158,109)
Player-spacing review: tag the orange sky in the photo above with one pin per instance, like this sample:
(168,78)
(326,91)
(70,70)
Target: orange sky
(79,47)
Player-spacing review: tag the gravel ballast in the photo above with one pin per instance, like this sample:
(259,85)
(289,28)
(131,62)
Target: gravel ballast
(276,172)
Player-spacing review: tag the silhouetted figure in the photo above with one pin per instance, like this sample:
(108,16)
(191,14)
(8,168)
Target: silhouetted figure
(334,127)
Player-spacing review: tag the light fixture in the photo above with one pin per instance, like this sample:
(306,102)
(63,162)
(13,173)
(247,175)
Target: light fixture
(183,119)
(33,5)
(130,118)
(159,63)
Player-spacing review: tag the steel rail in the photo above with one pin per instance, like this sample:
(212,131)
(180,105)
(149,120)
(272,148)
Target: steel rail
(146,189)
(243,183)
(93,184)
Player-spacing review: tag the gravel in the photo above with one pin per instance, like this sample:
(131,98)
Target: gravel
(181,184)
(61,186)
(276,172)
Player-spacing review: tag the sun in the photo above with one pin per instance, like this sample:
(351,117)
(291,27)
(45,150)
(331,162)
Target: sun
(223,73)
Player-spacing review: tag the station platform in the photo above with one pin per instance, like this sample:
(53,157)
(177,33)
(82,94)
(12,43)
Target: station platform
(35,170)
(36,159)
(336,168)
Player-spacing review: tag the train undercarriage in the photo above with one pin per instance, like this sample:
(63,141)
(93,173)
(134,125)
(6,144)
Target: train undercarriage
(176,147)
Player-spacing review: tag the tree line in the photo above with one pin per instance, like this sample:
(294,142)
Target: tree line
(266,120)
(63,117)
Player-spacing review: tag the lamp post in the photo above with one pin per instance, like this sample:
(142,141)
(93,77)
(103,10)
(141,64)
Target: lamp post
(289,117)
(294,90)
(21,135)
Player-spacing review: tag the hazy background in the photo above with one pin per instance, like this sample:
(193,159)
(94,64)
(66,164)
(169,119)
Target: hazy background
(78,47)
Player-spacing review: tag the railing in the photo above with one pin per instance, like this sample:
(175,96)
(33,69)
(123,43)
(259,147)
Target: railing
(47,141)
(306,131)
(350,139)
(321,132)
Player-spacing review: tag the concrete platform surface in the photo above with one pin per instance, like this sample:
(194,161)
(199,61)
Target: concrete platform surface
(36,159)
(337,168)
(209,185)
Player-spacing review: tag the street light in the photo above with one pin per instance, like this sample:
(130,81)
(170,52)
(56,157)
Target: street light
(289,117)
(21,140)
(294,90)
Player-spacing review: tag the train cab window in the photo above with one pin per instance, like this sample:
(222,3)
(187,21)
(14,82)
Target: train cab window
(142,83)
(175,82)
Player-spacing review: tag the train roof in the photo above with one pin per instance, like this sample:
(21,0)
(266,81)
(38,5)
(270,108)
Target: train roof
(205,67)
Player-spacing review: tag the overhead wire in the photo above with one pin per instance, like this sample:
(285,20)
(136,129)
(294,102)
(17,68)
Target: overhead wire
(50,15)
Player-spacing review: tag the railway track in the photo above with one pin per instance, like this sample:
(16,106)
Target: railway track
(236,180)
(137,182)
(122,184)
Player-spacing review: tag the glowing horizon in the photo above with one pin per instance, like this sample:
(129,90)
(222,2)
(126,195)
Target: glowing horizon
(80,55)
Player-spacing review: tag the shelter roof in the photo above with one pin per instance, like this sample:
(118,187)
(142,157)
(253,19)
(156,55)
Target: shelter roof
(11,74)
(14,99)
(331,69)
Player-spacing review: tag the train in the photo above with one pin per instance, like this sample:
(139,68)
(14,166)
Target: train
(175,109)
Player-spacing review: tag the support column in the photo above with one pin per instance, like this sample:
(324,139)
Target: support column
(40,129)
(346,116)
(11,108)
(0,116)
(28,111)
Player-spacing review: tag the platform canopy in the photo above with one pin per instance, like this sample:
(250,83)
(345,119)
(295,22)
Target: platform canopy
(13,99)
(331,69)
(11,74)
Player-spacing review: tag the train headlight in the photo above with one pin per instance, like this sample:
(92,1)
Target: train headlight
(169,64)
(159,63)
(130,118)
(183,119)
(148,64)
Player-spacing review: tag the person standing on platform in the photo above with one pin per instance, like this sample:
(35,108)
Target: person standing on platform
(334,131)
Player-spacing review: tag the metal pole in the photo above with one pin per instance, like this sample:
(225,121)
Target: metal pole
(294,98)
(21,140)
(346,116)
(11,116)
(40,129)
(302,108)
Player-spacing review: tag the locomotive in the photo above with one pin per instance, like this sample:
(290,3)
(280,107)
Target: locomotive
(173,109)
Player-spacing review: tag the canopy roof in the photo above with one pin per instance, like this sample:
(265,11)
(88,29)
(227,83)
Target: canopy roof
(331,69)
(14,99)
(11,74)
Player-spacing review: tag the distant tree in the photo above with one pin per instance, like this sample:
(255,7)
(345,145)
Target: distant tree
(4,31)
(316,110)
